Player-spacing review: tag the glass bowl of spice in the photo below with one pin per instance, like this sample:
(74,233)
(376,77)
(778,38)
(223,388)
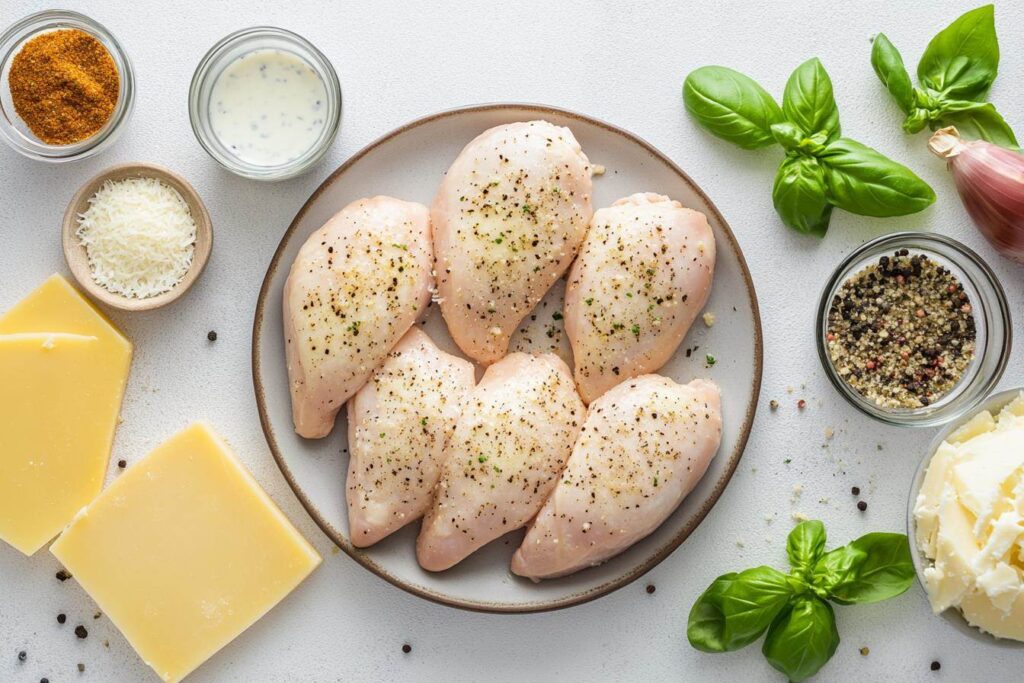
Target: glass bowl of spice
(265,103)
(913,329)
(66,86)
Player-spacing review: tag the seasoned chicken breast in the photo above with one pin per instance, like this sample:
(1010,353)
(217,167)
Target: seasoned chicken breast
(398,424)
(510,443)
(356,286)
(642,276)
(644,446)
(508,220)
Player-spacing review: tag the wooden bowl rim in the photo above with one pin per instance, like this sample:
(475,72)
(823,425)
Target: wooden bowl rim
(75,254)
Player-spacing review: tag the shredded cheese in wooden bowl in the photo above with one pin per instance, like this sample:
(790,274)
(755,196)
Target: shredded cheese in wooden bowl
(139,235)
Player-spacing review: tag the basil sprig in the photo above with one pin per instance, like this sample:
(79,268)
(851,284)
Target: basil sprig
(793,608)
(955,72)
(821,170)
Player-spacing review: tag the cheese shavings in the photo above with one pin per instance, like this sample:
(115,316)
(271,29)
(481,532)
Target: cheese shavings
(139,236)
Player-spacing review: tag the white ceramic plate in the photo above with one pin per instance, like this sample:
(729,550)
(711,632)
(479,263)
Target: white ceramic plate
(409,163)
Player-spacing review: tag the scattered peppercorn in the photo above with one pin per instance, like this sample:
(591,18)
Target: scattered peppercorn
(650,588)
(97,615)
(936,666)
(81,632)
(81,668)
(61,618)
(62,575)
(22,656)
(44,680)
(407,648)
(900,331)
(855,490)
(773,404)
(861,505)
(864,651)
(211,335)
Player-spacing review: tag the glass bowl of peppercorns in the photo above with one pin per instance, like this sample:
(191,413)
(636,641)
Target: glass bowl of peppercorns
(66,86)
(913,329)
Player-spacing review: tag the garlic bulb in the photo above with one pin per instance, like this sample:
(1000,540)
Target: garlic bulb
(990,180)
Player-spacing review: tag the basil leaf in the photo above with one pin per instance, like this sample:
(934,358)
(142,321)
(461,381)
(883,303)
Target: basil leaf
(802,639)
(805,544)
(875,567)
(731,106)
(977,120)
(962,60)
(787,134)
(808,100)
(888,64)
(862,181)
(799,195)
(737,608)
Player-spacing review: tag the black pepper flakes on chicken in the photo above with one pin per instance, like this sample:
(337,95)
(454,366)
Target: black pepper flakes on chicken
(508,449)
(509,219)
(356,287)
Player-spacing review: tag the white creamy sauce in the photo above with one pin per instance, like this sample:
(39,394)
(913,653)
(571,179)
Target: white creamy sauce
(268,107)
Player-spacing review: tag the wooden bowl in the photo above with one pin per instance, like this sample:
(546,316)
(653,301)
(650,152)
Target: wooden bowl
(78,261)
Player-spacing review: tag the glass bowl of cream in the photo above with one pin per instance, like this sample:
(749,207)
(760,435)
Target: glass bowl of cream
(965,520)
(265,103)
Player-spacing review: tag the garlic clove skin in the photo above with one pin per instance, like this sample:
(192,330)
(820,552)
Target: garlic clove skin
(990,181)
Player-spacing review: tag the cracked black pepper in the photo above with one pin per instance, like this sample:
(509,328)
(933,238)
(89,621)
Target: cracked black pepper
(901,331)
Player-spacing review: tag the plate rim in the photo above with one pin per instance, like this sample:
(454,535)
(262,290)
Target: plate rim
(361,556)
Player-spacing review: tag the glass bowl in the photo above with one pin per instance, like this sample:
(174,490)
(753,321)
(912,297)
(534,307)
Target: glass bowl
(952,616)
(13,129)
(231,48)
(991,316)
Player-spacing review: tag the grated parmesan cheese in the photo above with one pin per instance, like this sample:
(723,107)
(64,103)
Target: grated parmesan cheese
(139,236)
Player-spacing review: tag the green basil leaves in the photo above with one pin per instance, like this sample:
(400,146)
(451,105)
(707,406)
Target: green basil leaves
(793,609)
(731,106)
(802,639)
(821,170)
(956,71)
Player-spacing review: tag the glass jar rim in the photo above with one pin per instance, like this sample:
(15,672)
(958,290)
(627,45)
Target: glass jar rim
(994,298)
(310,54)
(17,34)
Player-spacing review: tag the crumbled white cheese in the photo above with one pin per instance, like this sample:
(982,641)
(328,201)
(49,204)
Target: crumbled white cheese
(139,236)
(709,319)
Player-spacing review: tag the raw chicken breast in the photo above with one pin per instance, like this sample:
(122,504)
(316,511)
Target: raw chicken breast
(357,285)
(644,446)
(510,443)
(643,275)
(398,424)
(508,220)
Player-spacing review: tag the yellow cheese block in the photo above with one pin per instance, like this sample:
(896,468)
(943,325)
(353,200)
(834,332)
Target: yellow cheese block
(63,370)
(184,551)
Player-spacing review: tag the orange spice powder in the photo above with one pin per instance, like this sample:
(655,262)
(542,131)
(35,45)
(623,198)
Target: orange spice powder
(64,85)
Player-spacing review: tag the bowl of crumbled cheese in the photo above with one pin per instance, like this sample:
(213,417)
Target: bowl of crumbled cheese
(137,236)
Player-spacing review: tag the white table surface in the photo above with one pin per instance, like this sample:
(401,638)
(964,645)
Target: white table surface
(625,64)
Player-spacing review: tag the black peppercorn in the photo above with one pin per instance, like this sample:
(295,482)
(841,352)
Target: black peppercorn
(650,588)
(81,632)
(44,680)
(936,666)
(855,490)
(407,648)
(862,506)
(63,575)
(22,656)
(61,618)
(211,335)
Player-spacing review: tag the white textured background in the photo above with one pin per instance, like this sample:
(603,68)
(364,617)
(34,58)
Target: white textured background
(621,62)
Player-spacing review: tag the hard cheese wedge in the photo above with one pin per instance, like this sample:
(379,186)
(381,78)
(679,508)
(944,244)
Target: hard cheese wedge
(63,370)
(184,551)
